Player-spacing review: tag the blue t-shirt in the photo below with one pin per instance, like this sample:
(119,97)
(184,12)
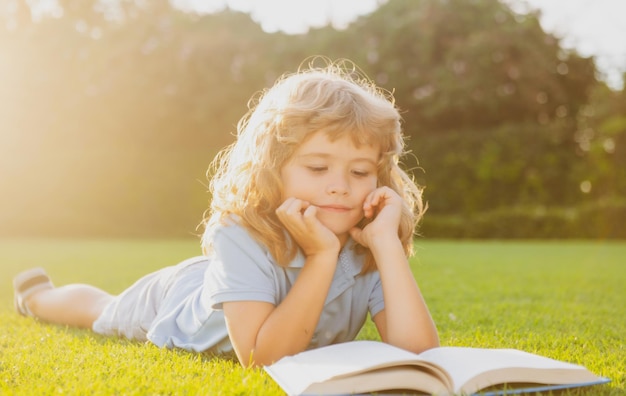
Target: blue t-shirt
(241,269)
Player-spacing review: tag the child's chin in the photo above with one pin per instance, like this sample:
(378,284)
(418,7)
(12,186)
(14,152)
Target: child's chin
(337,229)
(343,234)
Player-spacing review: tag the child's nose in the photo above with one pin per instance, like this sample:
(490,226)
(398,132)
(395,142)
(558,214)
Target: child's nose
(338,186)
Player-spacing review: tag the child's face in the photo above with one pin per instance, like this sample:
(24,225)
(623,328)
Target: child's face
(335,176)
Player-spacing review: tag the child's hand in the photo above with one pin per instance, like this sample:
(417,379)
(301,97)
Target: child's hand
(385,207)
(299,218)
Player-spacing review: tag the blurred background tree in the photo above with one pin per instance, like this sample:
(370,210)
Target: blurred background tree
(111,112)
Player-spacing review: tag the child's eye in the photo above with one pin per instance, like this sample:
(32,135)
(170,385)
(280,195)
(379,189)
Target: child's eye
(360,173)
(316,169)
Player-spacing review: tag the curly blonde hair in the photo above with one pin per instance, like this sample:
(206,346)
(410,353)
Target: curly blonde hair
(335,98)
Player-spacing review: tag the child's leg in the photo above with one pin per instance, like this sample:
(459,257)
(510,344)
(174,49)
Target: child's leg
(74,305)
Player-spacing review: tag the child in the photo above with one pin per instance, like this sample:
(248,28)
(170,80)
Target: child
(309,229)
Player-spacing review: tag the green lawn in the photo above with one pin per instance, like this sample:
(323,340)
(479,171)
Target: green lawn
(564,300)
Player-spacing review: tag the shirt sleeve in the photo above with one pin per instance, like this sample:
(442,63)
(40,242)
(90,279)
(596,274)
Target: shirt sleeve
(376,301)
(242,269)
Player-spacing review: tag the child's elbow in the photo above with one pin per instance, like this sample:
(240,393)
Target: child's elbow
(433,342)
(425,343)
(255,361)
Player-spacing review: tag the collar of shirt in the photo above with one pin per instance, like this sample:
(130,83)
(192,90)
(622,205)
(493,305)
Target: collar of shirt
(348,261)
(349,265)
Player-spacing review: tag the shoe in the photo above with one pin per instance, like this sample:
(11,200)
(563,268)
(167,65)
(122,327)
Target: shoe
(27,283)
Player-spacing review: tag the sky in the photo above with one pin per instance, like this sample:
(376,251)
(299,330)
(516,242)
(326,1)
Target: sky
(592,27)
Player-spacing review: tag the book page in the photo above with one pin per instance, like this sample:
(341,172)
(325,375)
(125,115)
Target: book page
(296,373)
(397,378)
(478,368)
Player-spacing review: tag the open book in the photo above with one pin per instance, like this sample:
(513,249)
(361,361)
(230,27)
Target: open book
(372,366)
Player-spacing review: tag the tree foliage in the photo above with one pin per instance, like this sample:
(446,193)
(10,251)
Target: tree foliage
(111,111)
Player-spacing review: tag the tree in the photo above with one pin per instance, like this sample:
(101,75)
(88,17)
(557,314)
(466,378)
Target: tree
(457,63)
(113,115)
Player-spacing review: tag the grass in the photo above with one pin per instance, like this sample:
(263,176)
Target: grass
(564,300)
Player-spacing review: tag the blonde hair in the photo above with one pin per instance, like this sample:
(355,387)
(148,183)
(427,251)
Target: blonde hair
(335,98)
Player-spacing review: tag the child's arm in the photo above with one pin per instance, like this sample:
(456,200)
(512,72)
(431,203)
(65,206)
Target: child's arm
(405,321)
(261,333)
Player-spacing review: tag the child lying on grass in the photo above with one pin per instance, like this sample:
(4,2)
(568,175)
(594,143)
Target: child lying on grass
(310,226)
